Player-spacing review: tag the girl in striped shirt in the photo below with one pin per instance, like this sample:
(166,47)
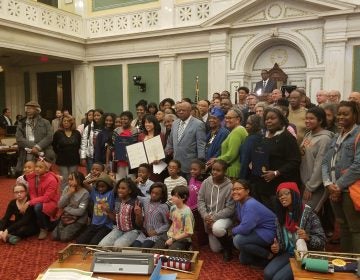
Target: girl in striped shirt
(155,216)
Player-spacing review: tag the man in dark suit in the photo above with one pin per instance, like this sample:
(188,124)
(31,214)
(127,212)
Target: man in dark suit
(5,118)
(187,138)
(266,85)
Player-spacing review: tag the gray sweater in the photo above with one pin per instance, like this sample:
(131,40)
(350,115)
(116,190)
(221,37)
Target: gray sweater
(216,200)
(313,149)
(75,204)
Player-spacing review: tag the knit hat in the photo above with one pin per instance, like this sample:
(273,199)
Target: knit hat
(218,113)
(106,179)
(288,185)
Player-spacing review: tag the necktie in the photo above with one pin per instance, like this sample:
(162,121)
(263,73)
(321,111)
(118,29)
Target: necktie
(181,129)
(264,84)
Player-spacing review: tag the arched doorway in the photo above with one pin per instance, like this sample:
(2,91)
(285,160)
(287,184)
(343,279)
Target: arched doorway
(288,56)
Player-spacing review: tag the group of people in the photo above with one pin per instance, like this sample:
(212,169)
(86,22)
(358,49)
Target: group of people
(259,175)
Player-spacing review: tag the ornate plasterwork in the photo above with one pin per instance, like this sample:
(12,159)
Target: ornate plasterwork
(192,13)
(315,37)
(277,10)
(41,16)
(237,44)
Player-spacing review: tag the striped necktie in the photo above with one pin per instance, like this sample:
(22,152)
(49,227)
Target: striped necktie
(181,129)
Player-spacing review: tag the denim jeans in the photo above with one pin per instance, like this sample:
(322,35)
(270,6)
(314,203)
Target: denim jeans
(42,219)
(349,222)
(279,268)
(119,238)
(252,248)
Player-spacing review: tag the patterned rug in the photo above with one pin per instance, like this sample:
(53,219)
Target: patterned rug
(29,257)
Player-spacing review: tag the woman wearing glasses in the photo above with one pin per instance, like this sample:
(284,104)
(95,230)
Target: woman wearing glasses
(256,230)
(230,147)
(294,223)
(24,224)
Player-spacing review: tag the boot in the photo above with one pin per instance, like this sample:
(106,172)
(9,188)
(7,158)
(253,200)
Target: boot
(226,243)
(43,234)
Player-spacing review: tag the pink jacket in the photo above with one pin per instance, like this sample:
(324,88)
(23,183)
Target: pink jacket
(47,192)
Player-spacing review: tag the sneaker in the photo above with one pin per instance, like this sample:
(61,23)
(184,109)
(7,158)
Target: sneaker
(43,234)
(14,239)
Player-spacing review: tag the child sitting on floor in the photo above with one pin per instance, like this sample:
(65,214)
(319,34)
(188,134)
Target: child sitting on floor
(73,202)
(182,228)
(142,180)
(44,190)
(29,167)
(128,221)
(155,214)
(24,224)
(102,197)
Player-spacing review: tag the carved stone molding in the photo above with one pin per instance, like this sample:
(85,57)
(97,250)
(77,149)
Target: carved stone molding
(315,38)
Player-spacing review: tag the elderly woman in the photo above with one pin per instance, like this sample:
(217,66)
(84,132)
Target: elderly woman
(216,135)
(66,144)
(340,169)
(230,148)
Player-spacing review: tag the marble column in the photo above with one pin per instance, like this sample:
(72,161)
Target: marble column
(169,80)
(83,90)
(14,91)
(335,32)
(218,62)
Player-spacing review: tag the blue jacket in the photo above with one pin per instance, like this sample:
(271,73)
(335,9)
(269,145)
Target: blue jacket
(213,150)
(246,150)
(347,166)
(254,216)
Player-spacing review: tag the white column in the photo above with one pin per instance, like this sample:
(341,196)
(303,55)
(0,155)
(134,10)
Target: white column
(334,61)
(335,30)
(168,78)
(125,78)
(83,90)
(80,6)
(167,14)
(218,62)
(14,91)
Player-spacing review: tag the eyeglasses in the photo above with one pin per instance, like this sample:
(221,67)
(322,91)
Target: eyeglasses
(18,192)
(283,194)
(229,118)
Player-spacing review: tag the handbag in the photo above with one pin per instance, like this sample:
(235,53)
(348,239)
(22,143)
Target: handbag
(354,189)
(68,219)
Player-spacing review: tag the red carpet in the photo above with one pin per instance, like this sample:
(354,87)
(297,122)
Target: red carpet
(27,259)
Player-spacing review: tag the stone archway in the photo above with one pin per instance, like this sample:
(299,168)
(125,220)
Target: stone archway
(289,57)
(295,54)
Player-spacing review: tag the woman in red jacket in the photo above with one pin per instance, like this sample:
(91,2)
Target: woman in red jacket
(44,196)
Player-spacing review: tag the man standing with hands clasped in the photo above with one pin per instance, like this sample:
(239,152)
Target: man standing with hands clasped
(34,136)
